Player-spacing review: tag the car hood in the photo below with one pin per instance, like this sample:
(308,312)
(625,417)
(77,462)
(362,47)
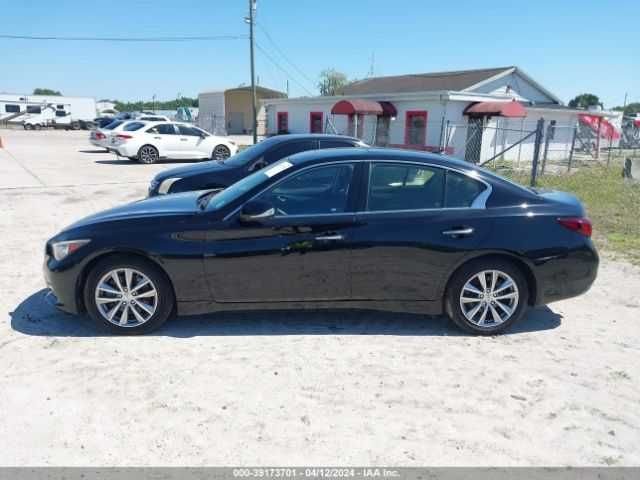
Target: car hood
(177,204)
(189,170)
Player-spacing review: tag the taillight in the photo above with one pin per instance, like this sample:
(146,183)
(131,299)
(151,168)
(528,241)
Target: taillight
(100,136)
(123,136)
(577,224)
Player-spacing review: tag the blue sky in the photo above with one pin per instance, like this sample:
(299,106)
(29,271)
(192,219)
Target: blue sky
(569,46)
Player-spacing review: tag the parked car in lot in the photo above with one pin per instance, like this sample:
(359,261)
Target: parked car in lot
(102,122)
(366,228)
(215,174)
(103,137)
(173,140)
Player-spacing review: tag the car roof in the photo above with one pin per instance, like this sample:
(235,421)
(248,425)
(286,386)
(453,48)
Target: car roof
(312,157)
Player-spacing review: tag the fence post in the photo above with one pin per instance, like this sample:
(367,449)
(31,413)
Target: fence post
(536,151)
(573,147)
(609,152)
(546,148)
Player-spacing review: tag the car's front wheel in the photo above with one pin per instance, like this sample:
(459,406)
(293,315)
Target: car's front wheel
(148,154)
(486,296)
(220,152)
(128,295)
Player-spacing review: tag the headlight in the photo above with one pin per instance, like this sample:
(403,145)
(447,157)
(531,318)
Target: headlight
(165,186)
(62,249)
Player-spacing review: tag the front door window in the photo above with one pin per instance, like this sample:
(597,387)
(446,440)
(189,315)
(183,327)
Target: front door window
(416,128)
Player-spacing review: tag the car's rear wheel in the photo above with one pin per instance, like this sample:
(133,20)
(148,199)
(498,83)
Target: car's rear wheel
(220,152)
(28,126)
(37,126)
(486,296)
(128,295)
(148,154)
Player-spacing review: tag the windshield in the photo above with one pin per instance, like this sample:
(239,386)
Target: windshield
(235,191)
(252,153)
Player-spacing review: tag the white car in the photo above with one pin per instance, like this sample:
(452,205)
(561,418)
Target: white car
(101,137)
(152,141)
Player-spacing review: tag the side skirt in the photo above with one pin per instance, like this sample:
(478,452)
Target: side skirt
(419,307)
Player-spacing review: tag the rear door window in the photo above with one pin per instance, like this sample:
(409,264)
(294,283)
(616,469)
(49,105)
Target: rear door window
(190,131)
(405,187)
(163,129)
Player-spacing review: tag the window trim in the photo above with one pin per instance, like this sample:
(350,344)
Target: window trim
(479,203)
(311,116)
(415,113)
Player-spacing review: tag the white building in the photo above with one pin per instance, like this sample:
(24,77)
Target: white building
(472,114)
(40,110)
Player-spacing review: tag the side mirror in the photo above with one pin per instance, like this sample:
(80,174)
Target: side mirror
(257,211)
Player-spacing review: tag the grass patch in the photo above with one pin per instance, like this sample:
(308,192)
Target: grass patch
(612,204)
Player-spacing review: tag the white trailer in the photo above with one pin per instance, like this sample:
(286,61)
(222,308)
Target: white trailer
(41,111)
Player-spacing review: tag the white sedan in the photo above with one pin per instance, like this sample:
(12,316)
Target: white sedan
(152,141)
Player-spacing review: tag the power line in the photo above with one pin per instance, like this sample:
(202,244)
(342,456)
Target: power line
(281,68)
(203,38)
(304,75)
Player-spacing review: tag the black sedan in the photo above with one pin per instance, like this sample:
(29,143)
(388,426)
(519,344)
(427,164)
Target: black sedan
(366,228)
(221,174)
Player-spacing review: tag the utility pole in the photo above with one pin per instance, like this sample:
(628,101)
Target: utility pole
(251,19)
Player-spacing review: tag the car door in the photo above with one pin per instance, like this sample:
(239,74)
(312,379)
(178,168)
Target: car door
(300,254)
(411,234)
(187,142)
(164,137)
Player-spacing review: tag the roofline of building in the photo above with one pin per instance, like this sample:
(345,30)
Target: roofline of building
(29,96)
(442,95)
(524,75)
(553,108)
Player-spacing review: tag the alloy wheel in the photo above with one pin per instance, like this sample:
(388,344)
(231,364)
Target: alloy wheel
(221,153)
(126,297)
(148,154)
(489,298)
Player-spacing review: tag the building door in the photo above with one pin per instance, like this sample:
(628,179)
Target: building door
(236,122)
(382,131)
(473,145)
(315,122)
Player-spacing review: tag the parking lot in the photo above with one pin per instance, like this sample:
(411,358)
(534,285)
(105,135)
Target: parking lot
(562,387)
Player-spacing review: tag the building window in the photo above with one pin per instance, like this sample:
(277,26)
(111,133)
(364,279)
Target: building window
(283,122)
(33,109)
(11,108)
(315,122)
(416,128)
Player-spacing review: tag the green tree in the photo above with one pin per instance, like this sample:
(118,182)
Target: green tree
(45,91)
(331,81)
(632,109)
(158,105)
(585,100)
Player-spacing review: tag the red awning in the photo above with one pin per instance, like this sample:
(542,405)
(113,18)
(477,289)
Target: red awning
(350,107)
(388,109)
(606,128)
(499,109)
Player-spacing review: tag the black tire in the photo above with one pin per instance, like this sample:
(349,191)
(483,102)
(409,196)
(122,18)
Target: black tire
(220,152)
(28,126)
(165,305)
(148,154)
(75,125)
(467,272)
(37,126)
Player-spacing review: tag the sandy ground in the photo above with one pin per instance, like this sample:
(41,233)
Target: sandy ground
(562,388)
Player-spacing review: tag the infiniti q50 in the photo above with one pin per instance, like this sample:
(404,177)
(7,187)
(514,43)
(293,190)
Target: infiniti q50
(366,228)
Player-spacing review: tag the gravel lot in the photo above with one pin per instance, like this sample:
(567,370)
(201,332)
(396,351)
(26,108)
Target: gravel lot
(562,388)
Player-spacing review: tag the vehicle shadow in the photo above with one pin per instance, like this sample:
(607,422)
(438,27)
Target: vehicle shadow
(126,161)
(103,150)
(35,316)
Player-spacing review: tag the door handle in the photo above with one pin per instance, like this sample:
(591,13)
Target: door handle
(157,138)
(184,139)
(329,238)
(463,231)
